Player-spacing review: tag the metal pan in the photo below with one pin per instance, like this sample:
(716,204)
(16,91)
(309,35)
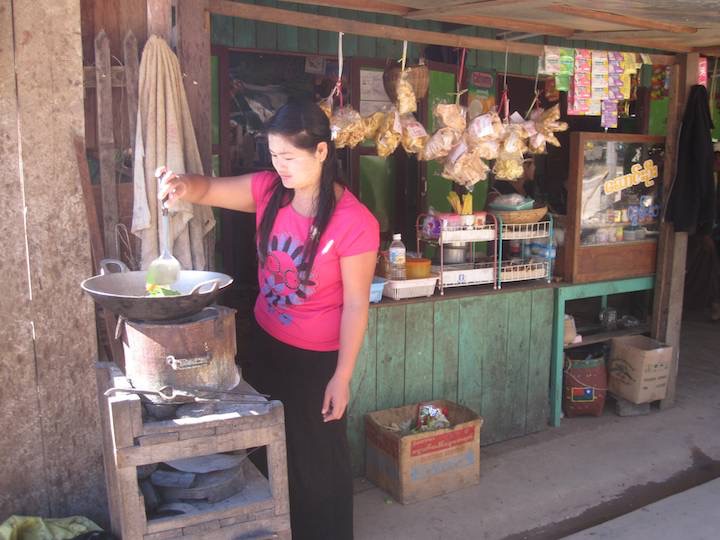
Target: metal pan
(122,292)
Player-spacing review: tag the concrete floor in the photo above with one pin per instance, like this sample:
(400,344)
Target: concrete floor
(584,473)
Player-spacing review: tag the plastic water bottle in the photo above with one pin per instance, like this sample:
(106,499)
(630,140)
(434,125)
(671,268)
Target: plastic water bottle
(397,258)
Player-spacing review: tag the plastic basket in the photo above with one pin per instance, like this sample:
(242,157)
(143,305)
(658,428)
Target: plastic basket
(376,289)
(410,288)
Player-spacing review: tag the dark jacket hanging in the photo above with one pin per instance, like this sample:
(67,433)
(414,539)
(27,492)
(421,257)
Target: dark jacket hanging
(692,196)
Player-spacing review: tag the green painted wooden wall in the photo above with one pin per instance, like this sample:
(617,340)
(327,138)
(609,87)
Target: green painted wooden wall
(490,353)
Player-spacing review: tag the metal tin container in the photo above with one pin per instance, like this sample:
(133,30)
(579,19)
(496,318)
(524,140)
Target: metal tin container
(197,352)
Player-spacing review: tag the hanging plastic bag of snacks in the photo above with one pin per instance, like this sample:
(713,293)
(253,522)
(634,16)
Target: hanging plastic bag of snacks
(373,123)
(464,166)
(440,143)
(508,166)
(347,127)
(485,127)
(414,135)
(389,135)
(451,115)
(406,100)
(514,141)
(548,123)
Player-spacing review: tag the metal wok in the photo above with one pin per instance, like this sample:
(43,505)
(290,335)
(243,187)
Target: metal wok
(123,292)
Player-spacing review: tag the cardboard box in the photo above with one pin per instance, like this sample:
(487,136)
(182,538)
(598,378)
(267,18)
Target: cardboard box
(422,465)
(639,368)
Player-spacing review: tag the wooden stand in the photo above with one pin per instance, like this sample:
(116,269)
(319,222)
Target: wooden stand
(261,510)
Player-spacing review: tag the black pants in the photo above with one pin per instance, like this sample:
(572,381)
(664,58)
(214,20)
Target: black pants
(319,470)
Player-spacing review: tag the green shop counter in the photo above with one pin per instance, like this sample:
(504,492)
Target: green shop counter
(489,350)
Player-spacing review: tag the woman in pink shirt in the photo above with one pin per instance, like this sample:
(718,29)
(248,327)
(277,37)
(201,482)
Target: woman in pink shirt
(317,247)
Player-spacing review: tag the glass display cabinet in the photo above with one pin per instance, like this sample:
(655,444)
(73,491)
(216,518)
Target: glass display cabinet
(614,206)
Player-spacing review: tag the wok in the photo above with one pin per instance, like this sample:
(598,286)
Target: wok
(123,292)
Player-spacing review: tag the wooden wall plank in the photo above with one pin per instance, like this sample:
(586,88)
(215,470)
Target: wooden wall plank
(367,46)
(518,353)
(327,41)
(194,56)
(390,356)
(222,30)
(445,344)
(106,143)
(287,35)
(494,373)
(485,58)
(363,394)
(48,67)
(419,352)
(266,33)
(538,408)
(245,31)
(23,488)
(308,37)
(131,61)
(471,357)
(389,49)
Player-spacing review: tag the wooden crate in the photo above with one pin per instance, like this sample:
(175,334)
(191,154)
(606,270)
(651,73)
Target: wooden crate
(260,510)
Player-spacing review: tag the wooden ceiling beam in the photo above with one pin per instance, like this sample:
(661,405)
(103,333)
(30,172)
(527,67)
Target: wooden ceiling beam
(360,28)
(654,43)
(625,20)
(372,6)
(515,25)
(470,8)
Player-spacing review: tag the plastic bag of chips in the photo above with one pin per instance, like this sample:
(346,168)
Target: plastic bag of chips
(406,100)
(373,123)
(389,135)
(414,135)
(431,418)
(440,143)
(347,127)
(484,128)
(514,140)
(451,115)
(508,166)
(465,166)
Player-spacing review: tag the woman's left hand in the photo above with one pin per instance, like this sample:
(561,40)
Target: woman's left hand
(337,396)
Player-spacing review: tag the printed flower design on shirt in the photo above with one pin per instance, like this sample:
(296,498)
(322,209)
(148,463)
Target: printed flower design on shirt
(284,280)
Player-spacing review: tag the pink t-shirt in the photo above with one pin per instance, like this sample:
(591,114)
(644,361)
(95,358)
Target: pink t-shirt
(305,312)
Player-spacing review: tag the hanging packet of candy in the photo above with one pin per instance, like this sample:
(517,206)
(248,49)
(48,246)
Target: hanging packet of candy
(583,61)
(562,82)
(609,116)
(599,62)
(550,62)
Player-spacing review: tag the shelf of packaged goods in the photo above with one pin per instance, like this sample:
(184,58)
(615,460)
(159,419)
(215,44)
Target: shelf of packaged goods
(600,337)
(460,275)
(524,271)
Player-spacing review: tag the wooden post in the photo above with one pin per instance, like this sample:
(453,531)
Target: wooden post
(106,142)
(193,26)
(159,18)
(672,248)
(51,462)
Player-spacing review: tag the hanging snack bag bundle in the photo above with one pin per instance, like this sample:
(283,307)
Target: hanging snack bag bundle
(373,123)
(451,115)
(414,135)
(389,135)
(347,127)
(465,166)
(326,106)
(484,134)
(440,143)
(406,100)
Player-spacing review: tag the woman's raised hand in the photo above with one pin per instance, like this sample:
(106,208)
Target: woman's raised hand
(172,186)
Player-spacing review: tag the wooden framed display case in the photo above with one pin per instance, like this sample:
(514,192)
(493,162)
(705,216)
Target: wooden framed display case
(614,197)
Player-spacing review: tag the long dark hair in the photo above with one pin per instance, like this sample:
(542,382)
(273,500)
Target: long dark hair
(304,125)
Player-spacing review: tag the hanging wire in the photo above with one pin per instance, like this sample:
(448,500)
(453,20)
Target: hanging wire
(338,85)
(537,91)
